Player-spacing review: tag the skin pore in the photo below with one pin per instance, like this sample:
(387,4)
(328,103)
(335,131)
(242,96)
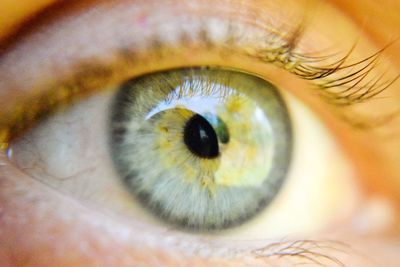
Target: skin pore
(40,226)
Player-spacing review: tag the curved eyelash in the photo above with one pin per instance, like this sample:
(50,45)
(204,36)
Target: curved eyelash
(340,83)
(352,87)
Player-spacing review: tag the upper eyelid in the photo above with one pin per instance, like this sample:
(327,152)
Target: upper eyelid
(277,47)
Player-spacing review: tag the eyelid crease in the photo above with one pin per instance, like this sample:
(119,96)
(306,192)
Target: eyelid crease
(277,47)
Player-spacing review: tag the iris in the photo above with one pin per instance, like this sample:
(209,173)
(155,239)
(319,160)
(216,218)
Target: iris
(201,148)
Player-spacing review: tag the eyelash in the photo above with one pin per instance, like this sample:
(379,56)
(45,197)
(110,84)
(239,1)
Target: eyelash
(306,252)
(344,89)
(340,84)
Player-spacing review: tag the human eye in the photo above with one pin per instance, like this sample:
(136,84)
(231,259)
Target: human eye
(85,62)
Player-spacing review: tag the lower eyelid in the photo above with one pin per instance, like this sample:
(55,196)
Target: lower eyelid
(79,229)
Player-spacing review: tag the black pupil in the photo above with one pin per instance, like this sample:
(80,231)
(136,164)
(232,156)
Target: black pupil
(200,137)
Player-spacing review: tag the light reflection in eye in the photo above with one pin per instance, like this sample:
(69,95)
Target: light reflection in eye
(189,170)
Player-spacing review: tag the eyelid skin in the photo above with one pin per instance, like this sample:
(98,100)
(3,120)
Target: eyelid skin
(14,194)
(369,16)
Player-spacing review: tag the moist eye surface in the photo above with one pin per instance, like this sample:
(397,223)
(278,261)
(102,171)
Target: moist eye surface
(201,148)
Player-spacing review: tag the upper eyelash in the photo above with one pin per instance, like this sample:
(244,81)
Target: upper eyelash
(347,88)
(354,87)
(333,83)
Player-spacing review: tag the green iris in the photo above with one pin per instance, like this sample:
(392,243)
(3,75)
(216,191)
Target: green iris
(219,126)
(201,148)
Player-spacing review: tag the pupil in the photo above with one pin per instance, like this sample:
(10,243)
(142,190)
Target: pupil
(200,137)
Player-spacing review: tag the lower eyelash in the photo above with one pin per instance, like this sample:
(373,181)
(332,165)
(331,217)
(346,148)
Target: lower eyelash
(306,252)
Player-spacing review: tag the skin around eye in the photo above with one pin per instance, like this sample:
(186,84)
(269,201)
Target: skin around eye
(69,152)
(35,245)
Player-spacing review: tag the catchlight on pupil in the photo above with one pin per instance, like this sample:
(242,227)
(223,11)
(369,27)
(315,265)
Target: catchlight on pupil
(201,148)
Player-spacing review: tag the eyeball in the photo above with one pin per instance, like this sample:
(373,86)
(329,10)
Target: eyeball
(206,150)
(201,148)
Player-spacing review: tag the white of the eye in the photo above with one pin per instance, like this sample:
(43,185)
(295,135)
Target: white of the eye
(320,189)
(69,152)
